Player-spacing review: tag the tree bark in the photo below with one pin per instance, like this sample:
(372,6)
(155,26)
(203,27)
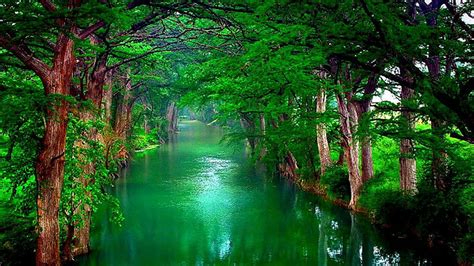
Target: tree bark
(123,112)
(321,133)
(439,161)
(107,98)
(50,162)
(439,165)
(407,147)
(248,125)
(172,117)
(123,118)
(363,108)
(263,130)
(289,167)
(95,92)
(348,117)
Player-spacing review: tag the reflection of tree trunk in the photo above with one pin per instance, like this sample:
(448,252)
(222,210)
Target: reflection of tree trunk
(367,251)
(348,120)
(407,147)
(322,240)
(321,134)
(50,162)
(353,251)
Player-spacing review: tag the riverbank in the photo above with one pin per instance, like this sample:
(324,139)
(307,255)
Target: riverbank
(147,148)
(195,201)
(410,235)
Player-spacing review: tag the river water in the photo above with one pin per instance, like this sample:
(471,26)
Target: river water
(195,201)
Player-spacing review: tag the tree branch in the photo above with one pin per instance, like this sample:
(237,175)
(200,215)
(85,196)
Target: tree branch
(90,30)
(26,57)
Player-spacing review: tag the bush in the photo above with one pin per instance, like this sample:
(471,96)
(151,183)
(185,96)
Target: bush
(141,140)
(337,183)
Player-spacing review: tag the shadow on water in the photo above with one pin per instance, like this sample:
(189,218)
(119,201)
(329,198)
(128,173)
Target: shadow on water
(195,201)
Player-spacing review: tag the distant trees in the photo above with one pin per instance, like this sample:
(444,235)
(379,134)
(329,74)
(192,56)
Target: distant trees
(305,82)
(347,58)
(75,49)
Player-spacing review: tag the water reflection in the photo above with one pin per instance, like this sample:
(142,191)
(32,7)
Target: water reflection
(194,201)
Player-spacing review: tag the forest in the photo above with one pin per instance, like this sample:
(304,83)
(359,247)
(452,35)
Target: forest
(367,104)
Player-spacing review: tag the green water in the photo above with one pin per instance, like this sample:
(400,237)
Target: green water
(197,202)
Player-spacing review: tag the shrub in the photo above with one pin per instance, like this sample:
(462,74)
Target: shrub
(336,182)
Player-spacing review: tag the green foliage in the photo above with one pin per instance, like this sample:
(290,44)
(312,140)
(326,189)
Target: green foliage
(336,182)
(141,140)
(17,238)
(86,173)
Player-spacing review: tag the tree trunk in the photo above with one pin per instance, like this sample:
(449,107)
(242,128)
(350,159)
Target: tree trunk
(439,161)
(367,160)
(348,117)
(50,162)
(108,94)
(123,112)
(11,146)
(263,129)
(95,85)
(123,119)
(289,167)
(439,165)
(407,147)
(363,108)
(172,117)
(321,134)
(248,125)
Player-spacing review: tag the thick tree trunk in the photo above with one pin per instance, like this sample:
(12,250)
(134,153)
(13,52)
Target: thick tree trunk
(123,112)
(348,117)
(248,125)
(407,147)
(123,119)
(289,167)
(172,117)
(67,245)
(263,130)
(340,157)
(321,134)
(107,98)
(50,162)
(81,234)
(11,146)
(367,160)
(363,108)
(439,165)
(439,161)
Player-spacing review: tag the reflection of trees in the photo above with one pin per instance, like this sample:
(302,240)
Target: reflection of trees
(263,221)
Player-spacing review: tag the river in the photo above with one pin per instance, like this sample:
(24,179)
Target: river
(195,201)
